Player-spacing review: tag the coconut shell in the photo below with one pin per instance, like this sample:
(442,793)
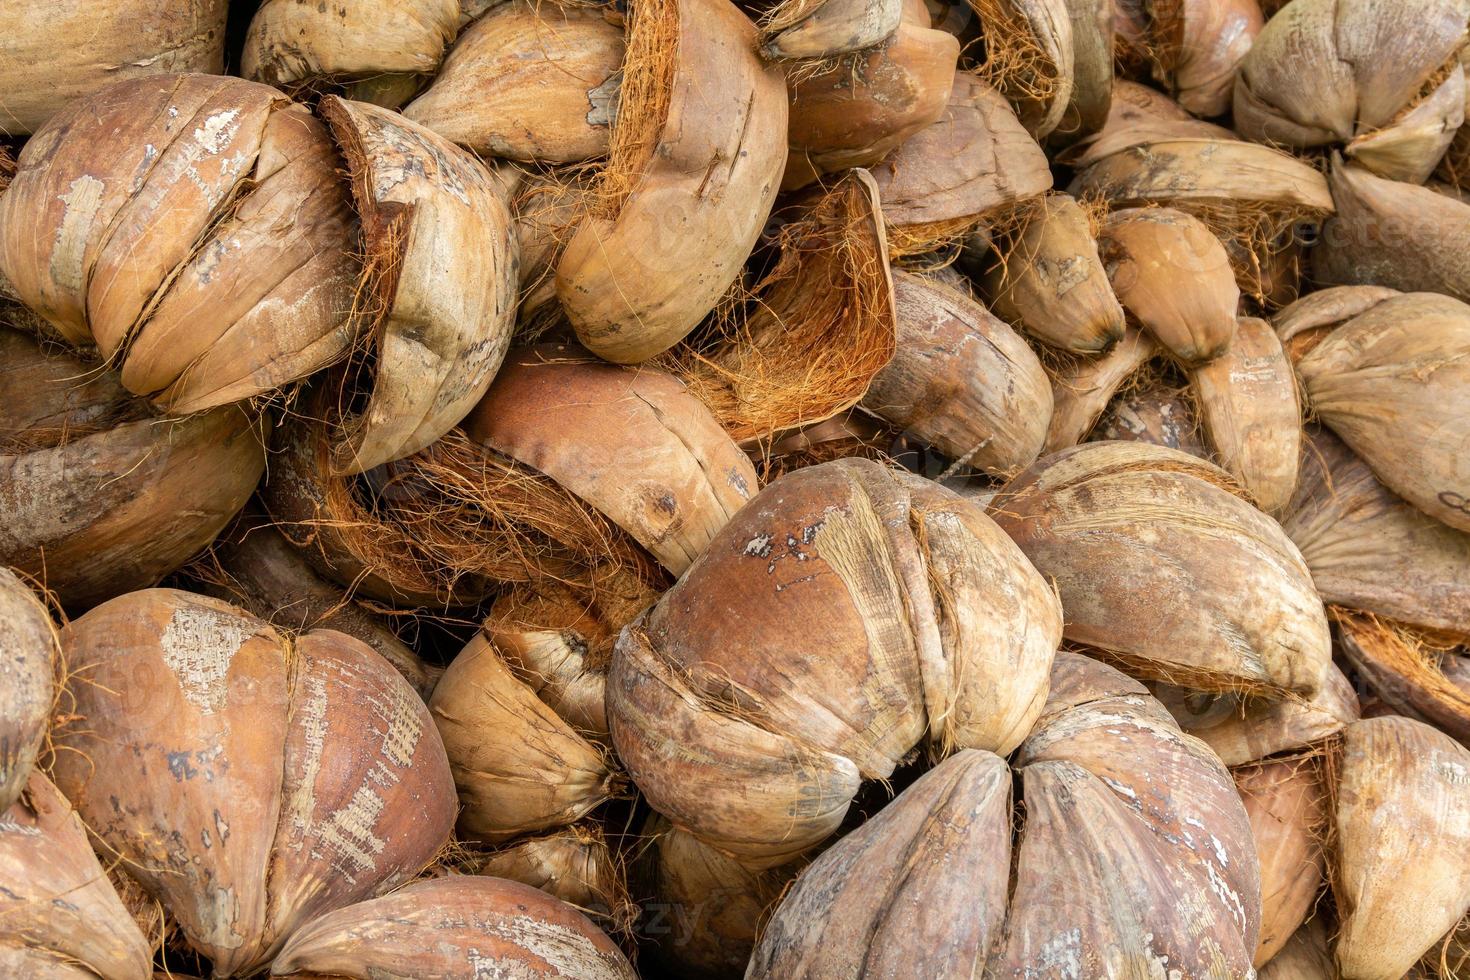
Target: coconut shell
(1082,387)
(53,54)
(1122,858)
(1287,806)
(793,29)
(1251,414)
(530,82)
(455,928)
(1050,281)
(694,169)
(1402,812)
(1220,601)
(250,782)
(1407,675)
(442,269)
(1305,322)
(1212,37)
(222,272)
(917,605)
(1173,275)
(1305,956)
(1139,114)
(1393,383)
(962,380)
(1157,414)
(976,162)
(1029,57)
(1092,71)
(29,657)
(574,865)
(61,917)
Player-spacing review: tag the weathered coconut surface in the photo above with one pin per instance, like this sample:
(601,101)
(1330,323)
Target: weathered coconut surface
(1286,801)
(291,43)
(28,664)
(1158,414)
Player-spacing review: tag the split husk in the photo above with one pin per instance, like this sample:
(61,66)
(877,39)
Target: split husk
(441,272)
(249,781)
(1082,387)
(1121,858)
(962,381)
(547,207)
(913,605)
(29,661)
(1157,414)
(1199,46)
(55,53)
(1417,675)
(1138,114)
(1049,280)
(574,865)
(208,253)
(528,81)
(1166,571)
(698,148)
(1287,807)
(459,926)
(818,29)
(1029,58)
(1092,72)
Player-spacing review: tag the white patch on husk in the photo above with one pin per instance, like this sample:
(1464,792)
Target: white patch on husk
(199,644)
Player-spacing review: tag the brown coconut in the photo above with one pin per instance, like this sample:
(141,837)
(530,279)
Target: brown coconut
(534,82)
(1165,570)
(99,496)
(1092,72)
(1138,114)
(962,380)
(547,207)
(1304,323)
(1287,806)
(249,781)
(1383,83)
(1199,46)
(1418,675)
(441,271)
(818,29)
(207,252)
(1306,955)
(59,916)
(1082,387)
(575,865)
(1156,413)
(29,661)
(53,54)
(1132,846)
(1029,57)
(698,148)
(1173,275)
(1050,281)
(914,605)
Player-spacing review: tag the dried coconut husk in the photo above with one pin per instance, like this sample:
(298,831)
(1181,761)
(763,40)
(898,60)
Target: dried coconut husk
(1029,58)
(573,864)
(1198,46)
(1156,413)
(1048,279)
(1304,323)
(1401,830)
(456,927)
(820,29)
(254,567)
(56,53)
(851,435)
(1382,82)
(976,166)
(529,81)
(1394,234)
(442,277)
(1138,114)
(99,495)
(962,381)
(818,326)
(30,657)
(294,45)
(1306,955)
(249,781)
(710,697)
(1173,275)
(207,252)
(547,207)
(855,110)
(1163,569)
(1414,673)
(1252,197)
(1393,383)
(1092,72)
(1252,415)
(59,915)
(1132,845)
(1082,387)
(698,148)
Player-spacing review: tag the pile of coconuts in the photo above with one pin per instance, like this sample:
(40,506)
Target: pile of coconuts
(781,489)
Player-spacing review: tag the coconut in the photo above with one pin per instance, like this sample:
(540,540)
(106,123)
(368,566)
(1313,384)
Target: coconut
(1411,673)
(1396,377)
(698,147)
(1092,71)
(1304,323)
(441,270)
(962,381)
(53,54)
(1402,826)
(1200,45)
(972,168)
(1166,571)
(1174,276)
(1287,808)
(854,111)
(1306,955)
(393,43)
(1251,414)
(61,917)
(140,494)
(535,82)
(914,606)
(1029,57)
(547,207)
(1125,852)
(207,253)
(1383,83)
(1049,280)
(29,659)
(1156,413)
(573,864)
(250,781)
(1082,387)
(813,29)
(1138,114)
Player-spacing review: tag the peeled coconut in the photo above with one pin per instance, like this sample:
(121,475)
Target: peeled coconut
(1132,848)
(456,928)
(1163,569)
(1139,114)
(916,606)
(250,781)
(1082,387)
(29,660)
(810,29)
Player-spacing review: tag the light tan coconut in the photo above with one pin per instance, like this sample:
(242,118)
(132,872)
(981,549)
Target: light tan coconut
(1304,323)
(1082,387)
(1092,72)
(1200,46)
(1138,114)
(1287,807)
(575,865)
(817,29)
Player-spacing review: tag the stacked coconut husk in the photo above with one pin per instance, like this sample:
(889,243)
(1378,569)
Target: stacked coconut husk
(735,488)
